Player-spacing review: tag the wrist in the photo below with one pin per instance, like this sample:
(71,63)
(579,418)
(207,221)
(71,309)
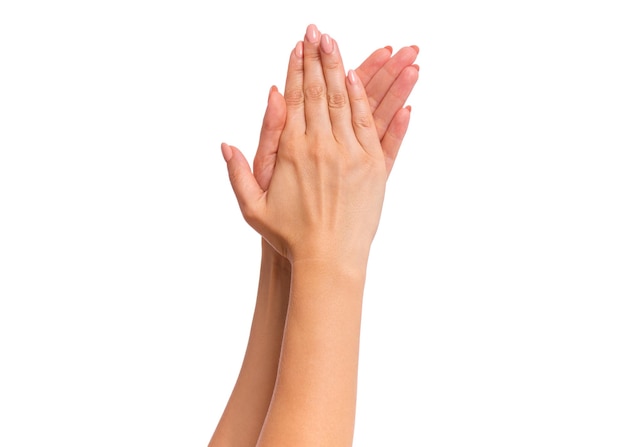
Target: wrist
(274,279)
(333,274)
(278,264)
(342,258)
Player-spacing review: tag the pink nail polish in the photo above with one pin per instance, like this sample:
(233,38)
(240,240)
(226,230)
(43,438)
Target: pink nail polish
(299,50)
(312,34)
(352,77)
(327,44)
(227,152)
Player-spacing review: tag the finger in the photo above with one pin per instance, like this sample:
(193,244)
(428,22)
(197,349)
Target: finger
(395,98)
(315,103)
(337,94)
(271,130)
(372,64)
(246,189)
(362,120)
(392,139)
(294,92)
(380,83)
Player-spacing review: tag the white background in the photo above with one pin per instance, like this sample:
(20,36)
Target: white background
(494,309)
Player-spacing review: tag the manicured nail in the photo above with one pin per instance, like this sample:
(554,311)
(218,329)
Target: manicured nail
(272,88)
(312,34)
(327,44)
(389,48)
(299,50)
(227,152)
(352,77)
(416,48)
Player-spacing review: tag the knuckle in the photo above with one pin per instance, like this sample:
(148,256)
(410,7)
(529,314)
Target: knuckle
(313,56)
(321,155)
(288,148)
(314,92)
(294,97)
(363,121)
(331,64)
(337,100)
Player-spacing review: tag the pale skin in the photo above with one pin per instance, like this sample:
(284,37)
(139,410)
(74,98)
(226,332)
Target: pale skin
(327,163)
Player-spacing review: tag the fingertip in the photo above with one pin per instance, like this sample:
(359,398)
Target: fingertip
(298,51)
(389,48)
(411,73)
(353,77)
(272,90)
(312,34)
(327,44)
(274,97)
(416,48)
(227,152)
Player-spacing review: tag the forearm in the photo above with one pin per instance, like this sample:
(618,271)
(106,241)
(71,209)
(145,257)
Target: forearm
(314,401)
(245,412)
(328,170)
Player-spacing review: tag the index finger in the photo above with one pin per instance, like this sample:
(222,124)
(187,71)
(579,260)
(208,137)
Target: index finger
(384,78)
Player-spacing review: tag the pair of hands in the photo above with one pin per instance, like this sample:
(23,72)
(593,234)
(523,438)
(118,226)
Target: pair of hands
(326,149)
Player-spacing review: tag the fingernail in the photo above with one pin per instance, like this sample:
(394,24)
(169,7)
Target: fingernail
(409,108)
(312,34)
(227,152)
(352,77)
(417,66)
(416,48)
(389,48)
(327,44)
(299,50)
(272,88)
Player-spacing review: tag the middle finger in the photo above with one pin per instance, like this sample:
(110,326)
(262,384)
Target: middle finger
(315,102)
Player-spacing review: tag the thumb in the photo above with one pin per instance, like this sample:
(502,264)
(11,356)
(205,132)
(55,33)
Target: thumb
(272,129)
(245,186)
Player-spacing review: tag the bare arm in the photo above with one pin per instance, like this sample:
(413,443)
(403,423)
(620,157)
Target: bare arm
(390,80)
(315,397)
(321,212)
(244,414)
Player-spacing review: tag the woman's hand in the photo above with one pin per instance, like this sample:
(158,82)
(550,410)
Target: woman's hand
(388,82)
(327,188)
